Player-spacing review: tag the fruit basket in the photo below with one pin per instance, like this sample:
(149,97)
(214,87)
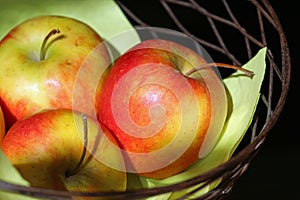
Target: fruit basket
(214,25)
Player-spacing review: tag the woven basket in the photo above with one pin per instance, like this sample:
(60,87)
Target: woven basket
(255,27)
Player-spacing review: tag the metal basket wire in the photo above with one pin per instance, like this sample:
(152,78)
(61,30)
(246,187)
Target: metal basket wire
(264,29)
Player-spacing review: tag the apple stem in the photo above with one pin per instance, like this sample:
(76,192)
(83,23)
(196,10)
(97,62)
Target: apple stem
(247,72)
(43,49)
(79,164)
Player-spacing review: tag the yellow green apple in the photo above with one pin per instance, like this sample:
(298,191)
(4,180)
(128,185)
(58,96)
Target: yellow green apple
(65,150)
(163,117)
(40,59)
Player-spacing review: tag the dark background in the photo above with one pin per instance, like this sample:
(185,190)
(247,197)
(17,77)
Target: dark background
(274,172)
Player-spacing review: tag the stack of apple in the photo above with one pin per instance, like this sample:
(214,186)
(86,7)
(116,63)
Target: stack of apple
(146,114)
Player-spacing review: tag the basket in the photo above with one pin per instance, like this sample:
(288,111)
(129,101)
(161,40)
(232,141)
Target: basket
(255,27)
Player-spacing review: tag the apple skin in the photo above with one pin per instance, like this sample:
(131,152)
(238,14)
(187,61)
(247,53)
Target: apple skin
(46,145)
(163,121)
(2,126)
(28,84)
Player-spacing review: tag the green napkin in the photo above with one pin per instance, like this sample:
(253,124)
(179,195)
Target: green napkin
(10,174)
(104,16)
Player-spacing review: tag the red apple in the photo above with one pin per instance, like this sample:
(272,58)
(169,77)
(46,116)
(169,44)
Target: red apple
(40,59)
(163,120)
(2,125)
(61,149)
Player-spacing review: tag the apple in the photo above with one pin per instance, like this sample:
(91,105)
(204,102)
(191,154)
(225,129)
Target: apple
(40,59)
(2,125)
(164,114)
(65,150)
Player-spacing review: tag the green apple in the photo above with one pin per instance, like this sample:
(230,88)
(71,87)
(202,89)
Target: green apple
(163,119)
(2,125)
(65,150)
(40,59)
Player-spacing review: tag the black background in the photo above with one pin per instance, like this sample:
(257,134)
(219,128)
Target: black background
(274,172)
